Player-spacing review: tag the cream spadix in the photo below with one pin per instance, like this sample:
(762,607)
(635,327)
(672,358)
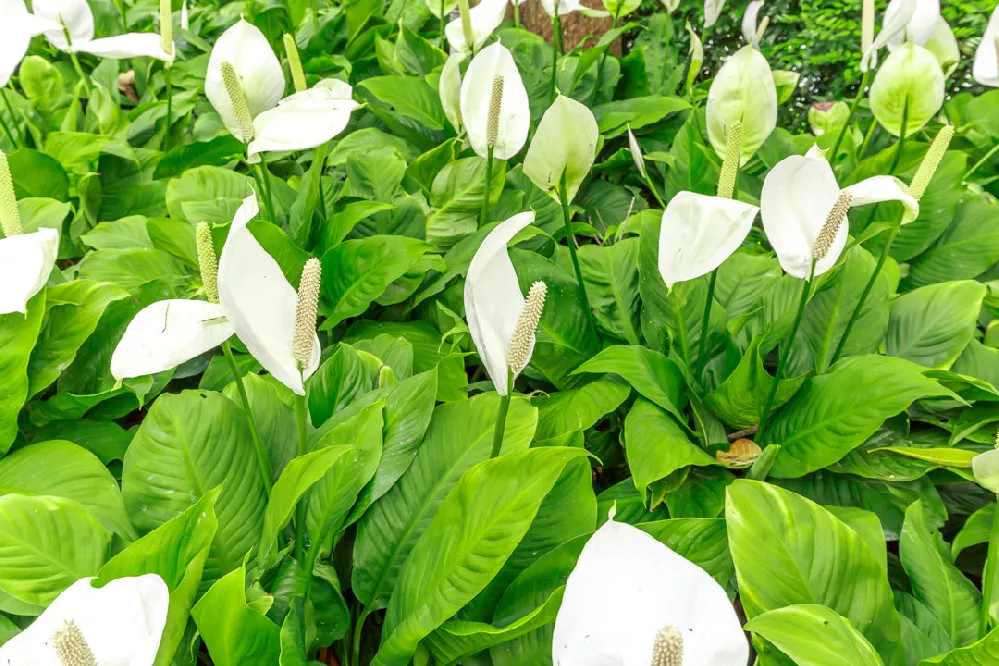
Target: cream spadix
(799,194)
(631,601)
(494,104)
(494,305)
(119,624)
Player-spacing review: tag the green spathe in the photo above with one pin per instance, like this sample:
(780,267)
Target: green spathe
(909,84)
(565,142)
(986,469)
(743,91)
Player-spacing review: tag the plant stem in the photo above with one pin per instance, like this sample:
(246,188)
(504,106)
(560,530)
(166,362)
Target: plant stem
(487,187)
(849,117)
(301,416)
(570,239)
(263,183)
(6,130)
(76,61)
(989,574)
(782,357)
(901,138)
(501,415)
(356,643)
(516,14)
(701,361)
(652,188)
(443,38)
(681,332)
(556,28)
(867,139)
(263,455)
(169,114)
(982,161)
(124,16)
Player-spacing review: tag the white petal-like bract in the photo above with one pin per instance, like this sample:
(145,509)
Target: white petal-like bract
(121,622)
(699,232)
(74,14)
(625,588)
(449,89)
(564,142)
(26,260)
(16,30)
(260,302)
(129,45)
(485,18)
(168,333)
(743,91)
(476,96)
(986,67)
(304,120)
(493,299)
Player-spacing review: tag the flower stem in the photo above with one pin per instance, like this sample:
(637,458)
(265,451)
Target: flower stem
(901,138)
(516,14)
(648,182)
(867,138)
(443,38)
(487,187)
(556,28)
(76,61)
(169,114)
(783,355)
(701,361)
(853,108)
(681,331)
(301,422)
(570,240)
(501,415)
(989,573)
(263,455)
(263,184)
(980,162)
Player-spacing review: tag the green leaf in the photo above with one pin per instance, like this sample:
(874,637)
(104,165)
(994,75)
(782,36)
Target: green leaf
(410,96)
(341,379)
(74,309)
(610,273)
(46,545)
(133,267)
(299,475)
(207,194)
(188,444)
(235,632)
(340,224)
(37,175)
(331,498)
(943,457)
(815,635)
(936,582)
(456,198)
(968,247)
(983,653)
(615,117)
(275,420)
(824,563)
(359,271)
(18,333)
(217,152)
(932,325)
(703,541)
(176,551)
(936,208)
(657,446)
(829,417)
(62,469)
(650,373)
(578,409)
(460,435)
(473,532)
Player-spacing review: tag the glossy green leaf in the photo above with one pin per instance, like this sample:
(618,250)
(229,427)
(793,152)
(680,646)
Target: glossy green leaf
(235,632)
(815,635)
(18,334)
(932,325)
(653,375)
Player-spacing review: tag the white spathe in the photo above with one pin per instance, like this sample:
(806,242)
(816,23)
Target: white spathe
(798,194)
(493,300)
(303,120)
(743,91)
(122,623)
(449,90)
(921,25)
(985,467)
(569,6)
(78,19)
(260,302)
(26,260)
(636,153)
(168,333)
(565,142)
(625,588)
(16,30)
(476,98)
(749,23)
(712,10)
(485,17)
(986,66)
(256,66)
(699,232)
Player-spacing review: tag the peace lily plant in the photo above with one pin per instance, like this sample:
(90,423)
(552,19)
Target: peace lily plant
(632,601)
(119,624)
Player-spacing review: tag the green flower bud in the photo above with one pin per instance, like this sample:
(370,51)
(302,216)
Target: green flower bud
(910,83)
(944,46)
(786,81)
(828,117)
(696,57)
(743,91)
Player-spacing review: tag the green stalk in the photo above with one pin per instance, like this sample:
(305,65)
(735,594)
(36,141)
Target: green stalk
(570,239)
(501,415)
(556,28)
(76,61)
(648,182)
(867,138)
(989,574)
(169,113)
(885,251)
(705,320)
(783,355)
(263,183)
(483,213)
(443,39)
(263,455)
(681,332)
(982,161)
(301,416)
(356,643)
(849,117)
(516,14)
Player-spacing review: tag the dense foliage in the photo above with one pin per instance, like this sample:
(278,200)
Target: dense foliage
(322,345)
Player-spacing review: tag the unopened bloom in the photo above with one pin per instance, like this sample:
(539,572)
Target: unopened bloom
(750,31)
(743,91)
(799,194)
(564,145)
(699,232)
(26,260)
(119,624)
(910,86)
(985,467)
(986,67)
(494,104)
(494,305)
(712,10)
(449,89)
(631,601)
